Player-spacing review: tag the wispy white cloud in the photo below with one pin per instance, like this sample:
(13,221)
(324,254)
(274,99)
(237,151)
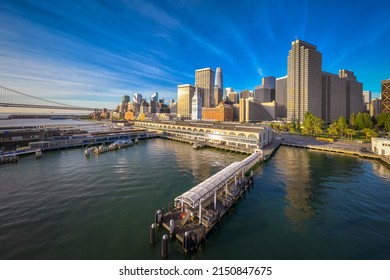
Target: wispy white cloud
(102,49)
(102,76)
(59,80)
(173,25)
(62,63)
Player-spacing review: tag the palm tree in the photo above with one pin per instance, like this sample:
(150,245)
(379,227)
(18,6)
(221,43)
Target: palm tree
(369,133)
(350,132)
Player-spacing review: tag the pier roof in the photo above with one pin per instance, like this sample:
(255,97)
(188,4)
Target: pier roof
(204,190)
(215,125)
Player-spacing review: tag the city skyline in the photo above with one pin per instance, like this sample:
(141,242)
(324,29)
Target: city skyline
(93,53)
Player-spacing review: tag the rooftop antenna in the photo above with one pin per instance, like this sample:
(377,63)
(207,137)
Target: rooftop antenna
(296,38)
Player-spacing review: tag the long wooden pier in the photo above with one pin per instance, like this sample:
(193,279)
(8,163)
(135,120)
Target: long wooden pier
(180,224)
(195,212)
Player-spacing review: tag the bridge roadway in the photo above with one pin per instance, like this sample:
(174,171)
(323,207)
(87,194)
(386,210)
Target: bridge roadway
(17,99)
(56,107)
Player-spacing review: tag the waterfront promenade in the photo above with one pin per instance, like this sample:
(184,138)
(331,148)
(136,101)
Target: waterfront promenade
(347,147)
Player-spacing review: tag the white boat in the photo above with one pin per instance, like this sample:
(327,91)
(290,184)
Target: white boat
(88,151)
(124,143)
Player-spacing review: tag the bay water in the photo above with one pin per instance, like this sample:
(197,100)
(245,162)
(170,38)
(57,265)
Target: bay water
(303,205)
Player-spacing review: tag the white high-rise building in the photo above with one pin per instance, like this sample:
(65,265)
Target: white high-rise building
(367,97)
(218,87)
(219,78)
(228,90)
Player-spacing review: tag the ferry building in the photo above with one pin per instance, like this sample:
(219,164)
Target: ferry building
(224,134)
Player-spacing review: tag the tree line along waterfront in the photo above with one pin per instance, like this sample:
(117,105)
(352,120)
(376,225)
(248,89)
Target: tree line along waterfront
(360,126)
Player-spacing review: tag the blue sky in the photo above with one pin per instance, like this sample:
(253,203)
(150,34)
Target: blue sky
(90,53)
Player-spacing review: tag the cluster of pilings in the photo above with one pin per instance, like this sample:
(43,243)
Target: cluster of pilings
(164,239)
(9,159)
(189,241)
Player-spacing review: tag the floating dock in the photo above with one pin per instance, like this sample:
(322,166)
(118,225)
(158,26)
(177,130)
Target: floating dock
(199,145)
(113,146)
(197,211)
(13,157)
(5,159)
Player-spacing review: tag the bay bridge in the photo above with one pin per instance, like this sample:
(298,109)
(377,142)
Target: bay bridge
(14,98)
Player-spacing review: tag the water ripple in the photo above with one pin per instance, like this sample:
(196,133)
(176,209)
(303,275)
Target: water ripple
(303,204)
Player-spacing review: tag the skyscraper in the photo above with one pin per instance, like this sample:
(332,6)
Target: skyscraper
(137,98)
(172,106)
(232,97)
(268,82)
(342,95)
(354,92)
(262,94)
(245,94)
(281,96)
(228,90)
(219,78)
(304,81)
(153,103)
(126,98)
(265,92)
(123,105)
(154,97)
(218,94)
(385,96)
(375,107)
(334,92)
(184,99)
(218,87)
(367,99)
(204,79)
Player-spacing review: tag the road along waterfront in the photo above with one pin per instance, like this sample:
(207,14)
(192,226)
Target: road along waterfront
(304,205)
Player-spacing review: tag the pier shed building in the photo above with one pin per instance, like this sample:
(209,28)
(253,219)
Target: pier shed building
(223,134)
(217,191)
